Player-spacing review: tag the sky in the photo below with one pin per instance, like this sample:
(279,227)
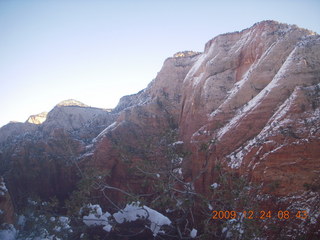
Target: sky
(97,51)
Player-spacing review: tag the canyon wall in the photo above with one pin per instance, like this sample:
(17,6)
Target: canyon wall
(249,104)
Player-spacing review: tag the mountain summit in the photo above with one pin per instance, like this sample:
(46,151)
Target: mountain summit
(38,118)
(71,102)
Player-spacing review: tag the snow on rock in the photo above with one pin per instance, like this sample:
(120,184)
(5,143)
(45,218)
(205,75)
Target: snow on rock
(157,220)
(277,121)
(177,160)
(130,213)
(3,188)
(234,226)
(22,220)
(64,222)
(178,171)
(9,234)
(215,185)
(196,67)
(134,211)
(193,233)
(85,155)
(96,217)
(177,143)
(107,228)
(32,202)
(109,128)
(57,229)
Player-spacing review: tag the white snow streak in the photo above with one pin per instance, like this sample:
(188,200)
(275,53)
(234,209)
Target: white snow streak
(109,128)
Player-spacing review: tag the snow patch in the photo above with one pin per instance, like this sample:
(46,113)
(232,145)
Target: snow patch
(96,217)
(88,147)
(178,171)
(234,225)
(9,234)
(32,202)
(193,233)
(3,188)
(22,220)
(134,211)
(215,185)
(86,155)
(195,68)
(64,222)
(177,143)
(196,80)
(177,160)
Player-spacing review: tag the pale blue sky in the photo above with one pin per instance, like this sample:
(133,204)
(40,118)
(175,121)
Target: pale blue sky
(97,51)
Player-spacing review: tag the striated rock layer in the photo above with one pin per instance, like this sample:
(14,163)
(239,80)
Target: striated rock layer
(249,104)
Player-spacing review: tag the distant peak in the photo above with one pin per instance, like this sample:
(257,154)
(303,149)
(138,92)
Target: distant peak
(280,26)
(38,118)
(71,102)
(186,54)
(268,22)
(267,26)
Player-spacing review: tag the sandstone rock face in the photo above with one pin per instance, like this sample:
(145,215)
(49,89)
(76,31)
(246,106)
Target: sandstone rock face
(251,99)
(38,118)
(227,95)
(234,69)
(139,133)
(287,146)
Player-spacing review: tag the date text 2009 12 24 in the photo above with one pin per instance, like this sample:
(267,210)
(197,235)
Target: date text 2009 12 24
(301,214)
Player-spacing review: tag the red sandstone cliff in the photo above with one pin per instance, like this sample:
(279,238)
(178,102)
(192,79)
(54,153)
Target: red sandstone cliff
(252,98)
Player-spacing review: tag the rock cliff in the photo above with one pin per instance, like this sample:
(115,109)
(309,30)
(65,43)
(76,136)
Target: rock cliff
(250,100)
